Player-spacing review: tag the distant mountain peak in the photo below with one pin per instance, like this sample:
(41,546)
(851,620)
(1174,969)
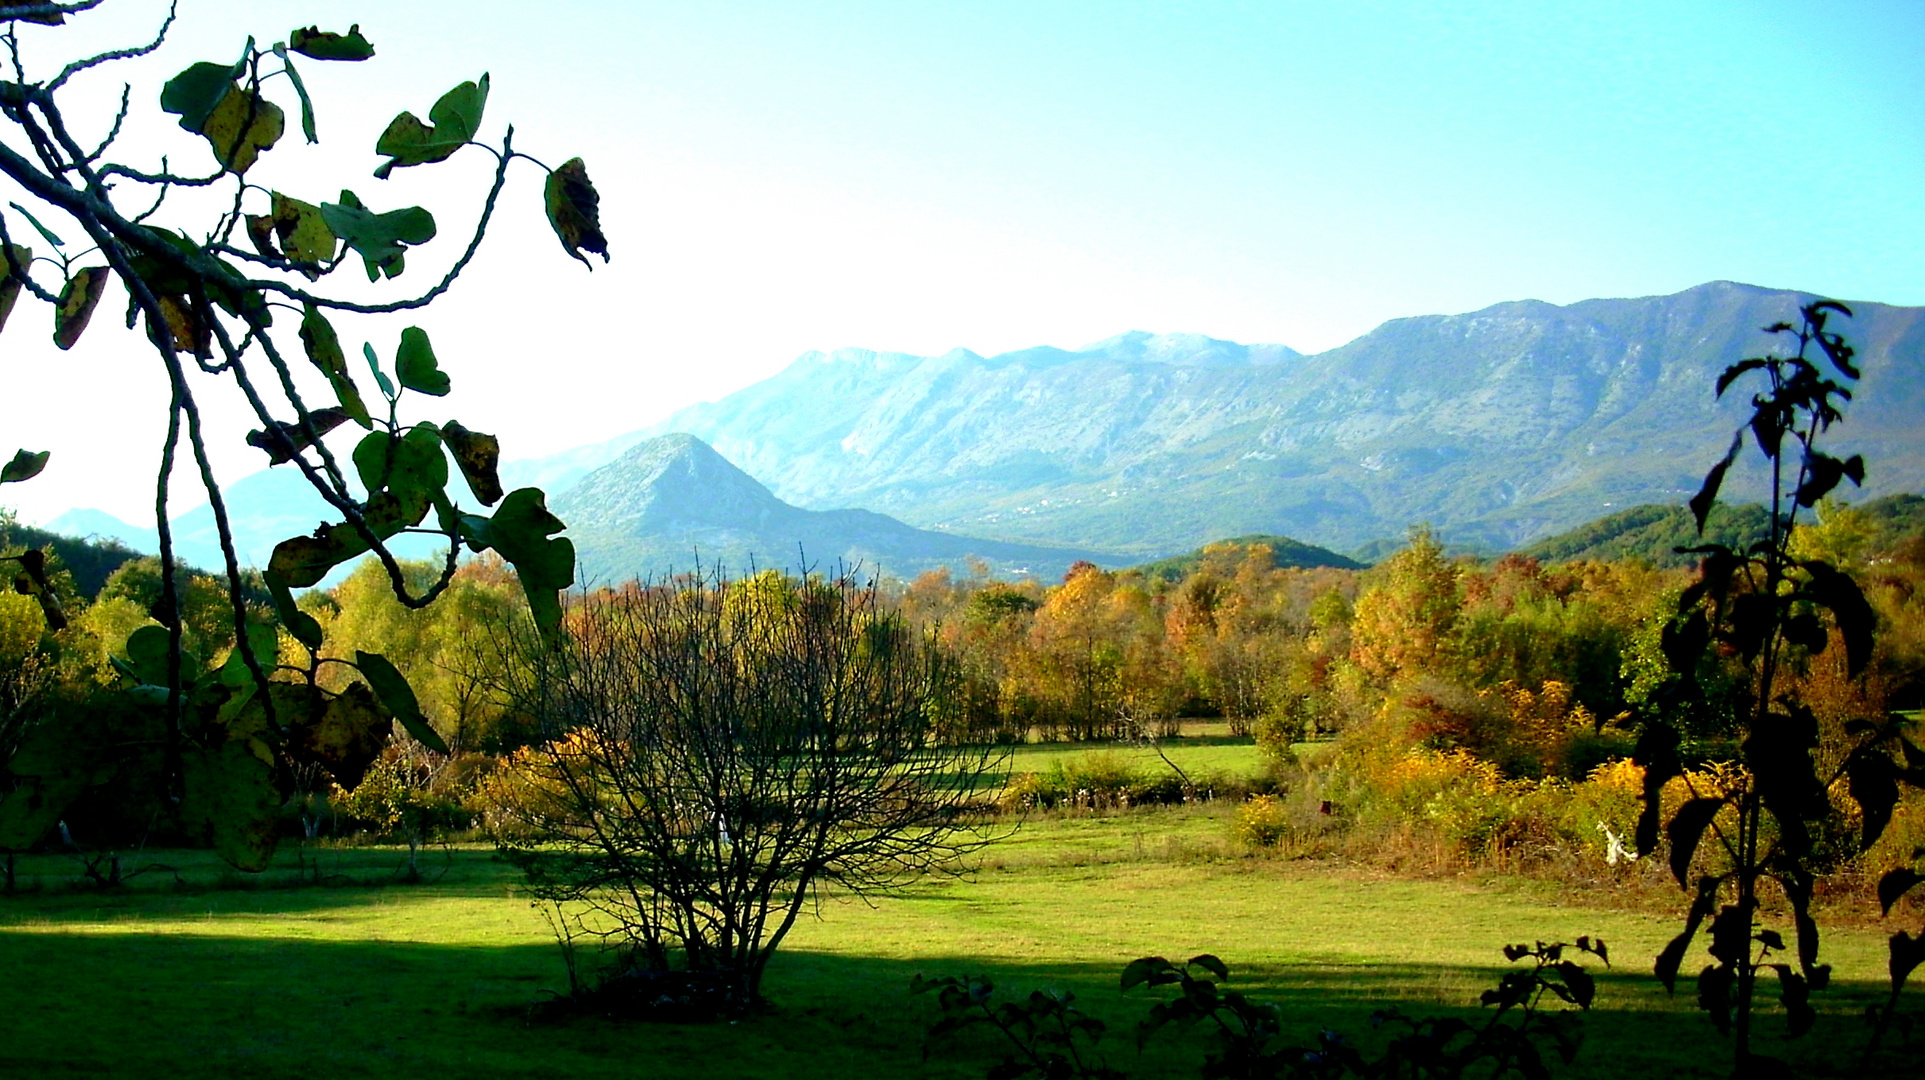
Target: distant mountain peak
(668,483)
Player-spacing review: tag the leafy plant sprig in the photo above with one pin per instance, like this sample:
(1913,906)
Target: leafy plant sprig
(207,306)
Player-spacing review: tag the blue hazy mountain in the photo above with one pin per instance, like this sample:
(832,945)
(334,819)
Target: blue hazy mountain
(669,502)
(1498,427)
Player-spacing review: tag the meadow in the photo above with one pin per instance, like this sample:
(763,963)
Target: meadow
(326,966)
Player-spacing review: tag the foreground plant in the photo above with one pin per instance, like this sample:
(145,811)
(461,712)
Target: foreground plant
(1770,611)
(1054,1040)
(214,310)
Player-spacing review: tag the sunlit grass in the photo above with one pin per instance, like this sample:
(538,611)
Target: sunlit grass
(364,979)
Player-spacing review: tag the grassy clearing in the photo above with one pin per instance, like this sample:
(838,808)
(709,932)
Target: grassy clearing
(371,980)
(1205,748)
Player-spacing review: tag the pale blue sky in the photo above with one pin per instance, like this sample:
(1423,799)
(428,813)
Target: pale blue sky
(780,177)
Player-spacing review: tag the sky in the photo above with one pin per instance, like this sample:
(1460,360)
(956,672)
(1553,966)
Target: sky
(785,177)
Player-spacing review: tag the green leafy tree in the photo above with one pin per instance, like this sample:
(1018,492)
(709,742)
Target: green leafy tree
(239,300)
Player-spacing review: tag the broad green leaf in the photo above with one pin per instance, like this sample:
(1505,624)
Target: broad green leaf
(520,531)
(231,801)
(318,44)
(194,94)
(147,648)
(412,466)
(415,365)
(305,628)
(10,284)
(456,117)
(77,303)
(477,455)
(381,239)
(45,233)
(395,693)
(374,365)
(574,211)
(324,351)
(24,466)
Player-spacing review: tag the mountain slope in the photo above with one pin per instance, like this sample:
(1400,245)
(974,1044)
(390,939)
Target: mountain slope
(669,501)
(1498,426)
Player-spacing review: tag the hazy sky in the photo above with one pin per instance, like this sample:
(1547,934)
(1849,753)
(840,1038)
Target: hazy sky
(918,176)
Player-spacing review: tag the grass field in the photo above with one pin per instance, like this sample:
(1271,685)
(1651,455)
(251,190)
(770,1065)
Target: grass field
(1206,748)
(379,980)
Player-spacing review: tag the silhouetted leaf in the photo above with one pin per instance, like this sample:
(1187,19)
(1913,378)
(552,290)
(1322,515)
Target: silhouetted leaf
(305,628)
(1856,621)
(1714,996)
(456,116)
(1753,618)
(346,737)
(1907,953)
(1822,474)
(284,441)
(302,561)
(395,693)
(1142,970)
(415,366)
(1583,987)
(1657,753)
(1895,884)
(574,211)
(324,351)
(1732,373)
(10,284)
(25,466)
(1874,787)
(1713,480)
(1212,965)
(477,456)
(1686,830)
(1683,643)
(77,302)
(1795,993)
(318,44)
(1807,631)
(1672,956)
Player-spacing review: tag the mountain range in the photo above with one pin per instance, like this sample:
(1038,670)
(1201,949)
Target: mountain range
(1499,428)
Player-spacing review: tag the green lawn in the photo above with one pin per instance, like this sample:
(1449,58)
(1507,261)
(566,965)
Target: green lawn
(1205,748)
(429,980)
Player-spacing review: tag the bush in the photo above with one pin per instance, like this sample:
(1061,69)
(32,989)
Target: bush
(1262,821)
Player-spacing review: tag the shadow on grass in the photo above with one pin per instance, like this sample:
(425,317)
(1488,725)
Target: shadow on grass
(113,1001)
(56,886)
